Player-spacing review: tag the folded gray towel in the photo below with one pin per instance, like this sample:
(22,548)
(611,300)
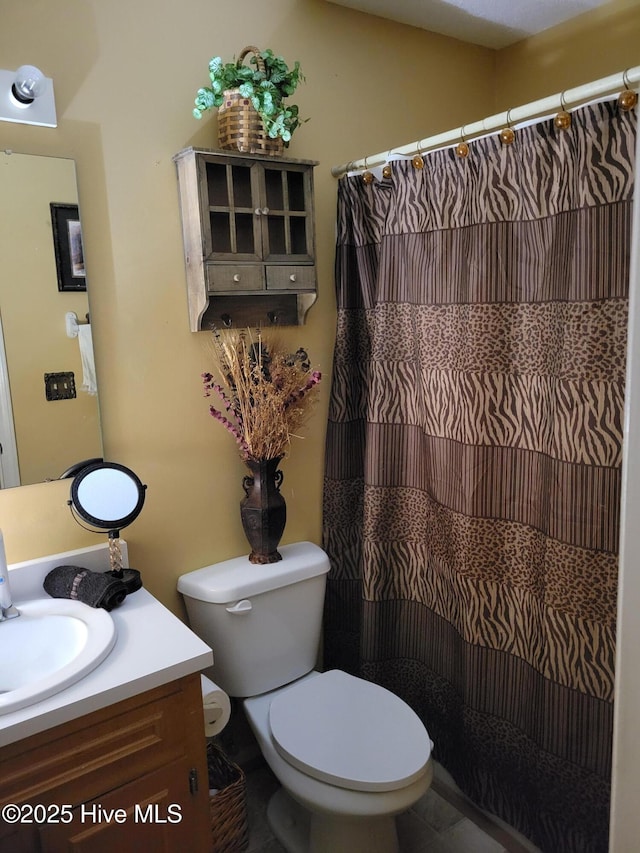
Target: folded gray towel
(98,589)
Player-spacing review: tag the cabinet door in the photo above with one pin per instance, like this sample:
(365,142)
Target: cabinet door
(20,839)
(230,207)
(286,213)
(147,750)
(154,813)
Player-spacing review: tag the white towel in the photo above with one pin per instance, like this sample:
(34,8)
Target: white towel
(85,340)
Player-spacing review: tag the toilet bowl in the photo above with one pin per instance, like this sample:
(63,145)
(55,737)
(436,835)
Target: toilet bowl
(347,751)
(349,754)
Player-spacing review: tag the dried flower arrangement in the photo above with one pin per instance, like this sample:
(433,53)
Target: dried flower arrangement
(266,392)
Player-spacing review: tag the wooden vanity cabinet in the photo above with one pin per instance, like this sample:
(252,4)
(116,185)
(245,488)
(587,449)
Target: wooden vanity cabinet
(131,777)
(249,238)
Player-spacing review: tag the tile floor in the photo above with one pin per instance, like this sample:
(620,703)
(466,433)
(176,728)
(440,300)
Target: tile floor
(433,825)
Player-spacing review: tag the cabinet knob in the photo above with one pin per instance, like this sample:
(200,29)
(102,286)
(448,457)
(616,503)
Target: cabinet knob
(265,211)
(236,277)
(257,211)
(292,277)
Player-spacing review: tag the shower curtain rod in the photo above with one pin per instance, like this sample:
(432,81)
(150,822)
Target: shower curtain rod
(536,109)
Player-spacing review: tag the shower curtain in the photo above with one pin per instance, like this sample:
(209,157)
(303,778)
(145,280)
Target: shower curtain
(472,481)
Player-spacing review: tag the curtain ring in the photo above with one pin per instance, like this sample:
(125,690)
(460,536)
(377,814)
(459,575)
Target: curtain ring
(417,159)
(387,171)
(462,148)
(367,177)
(563,119)
(628,98)
(507,135)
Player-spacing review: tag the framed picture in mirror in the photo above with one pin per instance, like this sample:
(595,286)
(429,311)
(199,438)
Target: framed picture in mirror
(67,243)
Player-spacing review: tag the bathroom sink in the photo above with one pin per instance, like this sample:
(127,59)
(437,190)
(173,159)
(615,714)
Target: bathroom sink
(52,644)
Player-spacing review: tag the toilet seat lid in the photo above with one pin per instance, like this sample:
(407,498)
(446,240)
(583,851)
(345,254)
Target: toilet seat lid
(350,733)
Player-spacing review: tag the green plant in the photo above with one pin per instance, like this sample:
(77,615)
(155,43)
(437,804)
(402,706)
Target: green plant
(265,86)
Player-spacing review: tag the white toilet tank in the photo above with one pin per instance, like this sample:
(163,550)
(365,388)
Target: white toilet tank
(263,622)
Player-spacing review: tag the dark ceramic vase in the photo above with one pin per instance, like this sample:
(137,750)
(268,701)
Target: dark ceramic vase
(263,510)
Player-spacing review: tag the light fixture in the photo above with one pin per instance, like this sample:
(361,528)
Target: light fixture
(26,97)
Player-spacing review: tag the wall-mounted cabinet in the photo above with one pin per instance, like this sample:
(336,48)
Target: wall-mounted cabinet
(249,238)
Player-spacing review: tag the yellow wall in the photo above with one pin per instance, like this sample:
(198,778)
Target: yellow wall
(593,45)
(125,76)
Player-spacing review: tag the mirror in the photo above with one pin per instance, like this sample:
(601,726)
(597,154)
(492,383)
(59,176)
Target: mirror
(49,417)
(109,496)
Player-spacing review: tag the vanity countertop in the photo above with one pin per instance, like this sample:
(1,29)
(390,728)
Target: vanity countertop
(153,647)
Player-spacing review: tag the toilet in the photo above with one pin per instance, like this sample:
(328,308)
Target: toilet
(349,754)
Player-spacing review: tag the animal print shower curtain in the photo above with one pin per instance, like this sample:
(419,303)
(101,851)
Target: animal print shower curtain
(472,483)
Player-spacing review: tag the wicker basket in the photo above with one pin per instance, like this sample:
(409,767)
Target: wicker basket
(228,806)
(240,127)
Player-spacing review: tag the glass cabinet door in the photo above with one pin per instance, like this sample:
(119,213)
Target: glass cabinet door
(234,230)
(286,216)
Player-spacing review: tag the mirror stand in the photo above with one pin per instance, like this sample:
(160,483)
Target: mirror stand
(109,496)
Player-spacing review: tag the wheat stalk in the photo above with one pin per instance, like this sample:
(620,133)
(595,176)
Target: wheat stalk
(266,392)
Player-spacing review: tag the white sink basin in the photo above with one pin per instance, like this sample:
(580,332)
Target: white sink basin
(52,644)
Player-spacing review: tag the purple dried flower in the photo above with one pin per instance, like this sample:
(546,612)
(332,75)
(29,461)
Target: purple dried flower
(235,432)
(263,390)
(313,380)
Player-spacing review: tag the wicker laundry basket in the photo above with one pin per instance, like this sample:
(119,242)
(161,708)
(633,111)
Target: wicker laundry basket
(240,127)
(228,806)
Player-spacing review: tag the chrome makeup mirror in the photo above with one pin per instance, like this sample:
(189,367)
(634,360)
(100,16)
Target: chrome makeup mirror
(109,496)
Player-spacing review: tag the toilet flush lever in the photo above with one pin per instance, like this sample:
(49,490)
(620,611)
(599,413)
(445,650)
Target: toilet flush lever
(241,607)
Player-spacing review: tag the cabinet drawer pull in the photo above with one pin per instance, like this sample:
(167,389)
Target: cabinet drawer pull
(236,277)
(292,277)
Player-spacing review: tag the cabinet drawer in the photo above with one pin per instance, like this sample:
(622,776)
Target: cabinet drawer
(234,278)
(291,278)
